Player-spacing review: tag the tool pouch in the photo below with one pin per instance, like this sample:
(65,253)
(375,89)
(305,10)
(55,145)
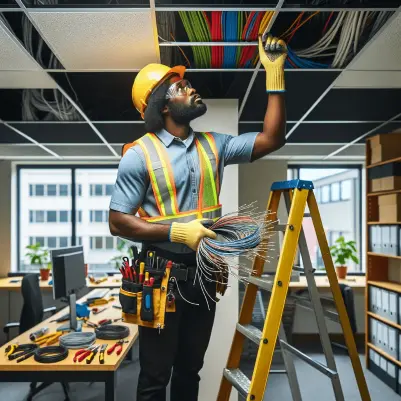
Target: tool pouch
(145,305)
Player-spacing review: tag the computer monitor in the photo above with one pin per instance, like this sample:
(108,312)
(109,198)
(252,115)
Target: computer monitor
(68,278)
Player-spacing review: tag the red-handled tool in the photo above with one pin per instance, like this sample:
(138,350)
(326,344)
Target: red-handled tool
(81,354)
(118,346)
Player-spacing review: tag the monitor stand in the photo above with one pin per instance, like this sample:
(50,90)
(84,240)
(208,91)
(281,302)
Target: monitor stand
(74,324)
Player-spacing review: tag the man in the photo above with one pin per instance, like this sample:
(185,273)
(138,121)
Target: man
(172,178)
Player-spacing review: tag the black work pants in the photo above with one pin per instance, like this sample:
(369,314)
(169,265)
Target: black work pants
(177,351)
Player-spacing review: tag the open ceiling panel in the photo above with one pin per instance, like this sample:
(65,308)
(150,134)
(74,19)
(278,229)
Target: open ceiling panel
(99,40)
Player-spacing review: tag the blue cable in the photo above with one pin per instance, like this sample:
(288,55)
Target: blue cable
(230,30)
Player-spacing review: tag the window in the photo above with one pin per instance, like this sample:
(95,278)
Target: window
(51,216)
(335,192)
(52,242)
(39,190)
(63,216)
(346,190)
(333,185)
(317,195)
(109,189)
(45,197)
(63,190)
(325,194)
(52,190)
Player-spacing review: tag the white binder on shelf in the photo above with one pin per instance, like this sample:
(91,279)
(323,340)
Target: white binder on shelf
(379,334)
(385,303)
(379,301)
(373,331)
(392,342)
(372,299)
(393,307)
(385,337)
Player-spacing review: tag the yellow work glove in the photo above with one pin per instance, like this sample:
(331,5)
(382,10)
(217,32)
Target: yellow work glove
(272,54)
(190,233)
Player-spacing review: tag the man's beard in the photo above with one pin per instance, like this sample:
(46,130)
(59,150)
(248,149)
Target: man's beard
(183,114)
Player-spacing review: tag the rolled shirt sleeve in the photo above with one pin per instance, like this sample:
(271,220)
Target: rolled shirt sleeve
(238,149)
(131,183)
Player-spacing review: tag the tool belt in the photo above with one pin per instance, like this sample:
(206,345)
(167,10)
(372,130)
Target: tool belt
(146,304)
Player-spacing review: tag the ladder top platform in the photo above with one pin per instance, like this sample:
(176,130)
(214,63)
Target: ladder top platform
(292,184)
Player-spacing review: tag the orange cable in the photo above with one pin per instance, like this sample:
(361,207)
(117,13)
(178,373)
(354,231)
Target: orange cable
(182,51)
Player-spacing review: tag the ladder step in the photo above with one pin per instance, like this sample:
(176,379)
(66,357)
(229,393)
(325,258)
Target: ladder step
(278,372)
(238,380)
(315,364)
(265,283)
(251,332)
(279,227)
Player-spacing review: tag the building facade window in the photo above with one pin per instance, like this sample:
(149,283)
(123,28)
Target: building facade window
(334,186)
(45,197)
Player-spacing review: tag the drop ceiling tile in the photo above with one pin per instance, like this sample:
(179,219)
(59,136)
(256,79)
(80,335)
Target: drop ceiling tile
(99,40)
(383,53)
(13,54)
(15,151)
(292,151)
(303,88)
(335,133)
(369,79)
(358,105)
(82,151)
(59,132)
(26,80)
(121,132)
(103,96)
(7,135)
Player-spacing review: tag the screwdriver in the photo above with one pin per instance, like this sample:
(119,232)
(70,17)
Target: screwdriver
(141,271)
(101,355)
(92,355)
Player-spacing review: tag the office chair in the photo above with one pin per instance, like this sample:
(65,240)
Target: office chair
(32,314)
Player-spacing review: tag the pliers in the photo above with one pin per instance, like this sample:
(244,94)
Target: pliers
(92,355)
(118,346)
(83,353)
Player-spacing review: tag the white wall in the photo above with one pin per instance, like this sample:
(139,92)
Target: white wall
(222,117)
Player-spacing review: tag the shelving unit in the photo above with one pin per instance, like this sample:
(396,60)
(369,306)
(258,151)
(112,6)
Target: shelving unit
(377,272)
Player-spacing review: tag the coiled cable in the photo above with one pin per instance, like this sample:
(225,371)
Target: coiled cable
(112,332)
(78,340)
(52,354)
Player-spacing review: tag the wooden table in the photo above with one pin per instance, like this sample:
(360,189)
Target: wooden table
(14,283)
(322,282)
(68,371)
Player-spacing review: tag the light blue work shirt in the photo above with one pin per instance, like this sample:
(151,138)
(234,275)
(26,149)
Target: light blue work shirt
(133,190)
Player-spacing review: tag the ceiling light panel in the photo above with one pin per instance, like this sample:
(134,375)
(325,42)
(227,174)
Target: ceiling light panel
(383,53)
(369,79)
(13,54)
(99,40)
(26,80)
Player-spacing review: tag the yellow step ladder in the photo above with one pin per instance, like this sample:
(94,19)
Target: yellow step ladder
(298,195)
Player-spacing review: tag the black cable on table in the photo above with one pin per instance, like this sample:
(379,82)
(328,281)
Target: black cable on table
(52,354)
(112,332)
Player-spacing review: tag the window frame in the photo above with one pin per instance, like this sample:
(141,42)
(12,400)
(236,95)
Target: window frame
(72,192)
(358,166)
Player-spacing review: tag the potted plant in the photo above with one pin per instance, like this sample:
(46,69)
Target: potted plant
(342,251)
(39,255)
(123,249)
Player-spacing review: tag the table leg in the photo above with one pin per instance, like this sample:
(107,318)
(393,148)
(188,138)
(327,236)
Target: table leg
(111,387)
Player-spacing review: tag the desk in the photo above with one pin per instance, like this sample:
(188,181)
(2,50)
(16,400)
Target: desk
(68,371)
(7,284)
(358,283)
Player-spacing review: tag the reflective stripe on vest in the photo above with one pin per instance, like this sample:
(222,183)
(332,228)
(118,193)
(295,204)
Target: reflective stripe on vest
(161,174)
(163,185)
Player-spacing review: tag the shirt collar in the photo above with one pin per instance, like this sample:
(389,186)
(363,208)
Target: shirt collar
(168,139)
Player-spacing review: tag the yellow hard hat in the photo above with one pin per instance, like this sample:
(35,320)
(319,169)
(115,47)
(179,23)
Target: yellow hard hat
(147,79)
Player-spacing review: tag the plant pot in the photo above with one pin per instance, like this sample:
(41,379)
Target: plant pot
(44,274)
(341,272)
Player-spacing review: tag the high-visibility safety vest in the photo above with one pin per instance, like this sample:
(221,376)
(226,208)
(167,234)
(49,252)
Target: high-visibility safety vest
(163,184)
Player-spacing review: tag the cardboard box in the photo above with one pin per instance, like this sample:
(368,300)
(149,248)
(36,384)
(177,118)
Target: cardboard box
(376,185)
(389,213)
(382,153)
(390,183)
(390,200)
(386,139)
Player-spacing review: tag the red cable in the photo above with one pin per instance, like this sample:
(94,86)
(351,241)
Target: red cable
(296,27)
(327,23)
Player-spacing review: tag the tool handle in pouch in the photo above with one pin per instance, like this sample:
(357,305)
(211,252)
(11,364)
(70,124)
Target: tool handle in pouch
(147,304)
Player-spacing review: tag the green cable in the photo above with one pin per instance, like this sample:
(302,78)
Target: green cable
(239,33)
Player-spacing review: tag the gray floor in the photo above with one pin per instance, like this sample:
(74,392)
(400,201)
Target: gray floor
(314,386)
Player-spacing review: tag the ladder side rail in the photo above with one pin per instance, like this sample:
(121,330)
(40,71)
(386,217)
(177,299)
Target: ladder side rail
(335,289)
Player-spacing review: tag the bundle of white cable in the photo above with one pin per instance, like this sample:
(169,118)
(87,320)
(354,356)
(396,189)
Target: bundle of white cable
(78,340)
(342,40)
